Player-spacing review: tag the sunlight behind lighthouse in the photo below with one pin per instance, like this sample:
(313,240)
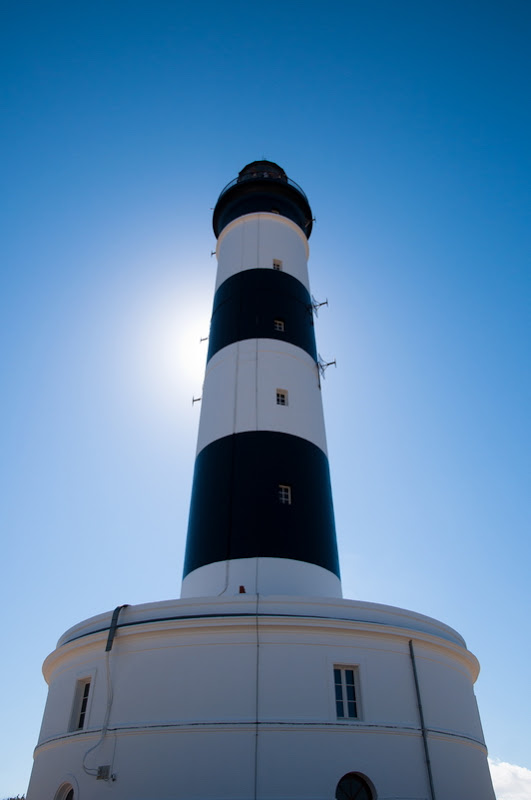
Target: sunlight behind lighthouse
(164,359)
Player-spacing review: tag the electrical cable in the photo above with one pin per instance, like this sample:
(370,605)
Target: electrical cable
(104,728)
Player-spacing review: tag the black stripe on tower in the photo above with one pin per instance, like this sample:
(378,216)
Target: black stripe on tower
(237,508)
(262,304)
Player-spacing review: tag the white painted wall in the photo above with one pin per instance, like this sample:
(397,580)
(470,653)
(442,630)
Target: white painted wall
(239,392)
(260,575)
(254,240)
(197,690)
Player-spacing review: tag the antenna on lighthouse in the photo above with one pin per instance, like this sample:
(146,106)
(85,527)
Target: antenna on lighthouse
(323,365)
(316,305)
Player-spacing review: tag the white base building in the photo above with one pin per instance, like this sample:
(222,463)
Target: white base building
(234,698)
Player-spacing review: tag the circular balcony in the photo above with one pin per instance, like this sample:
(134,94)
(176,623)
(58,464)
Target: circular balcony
(262,186)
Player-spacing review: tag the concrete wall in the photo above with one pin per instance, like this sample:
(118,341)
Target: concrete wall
(213,700)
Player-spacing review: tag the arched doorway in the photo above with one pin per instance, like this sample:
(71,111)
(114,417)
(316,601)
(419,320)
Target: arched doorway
(65,792)
(353,786)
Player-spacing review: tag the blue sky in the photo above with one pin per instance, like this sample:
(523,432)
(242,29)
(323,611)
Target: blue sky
(408,126)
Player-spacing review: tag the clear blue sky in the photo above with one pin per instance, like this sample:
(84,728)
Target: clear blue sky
(408,125)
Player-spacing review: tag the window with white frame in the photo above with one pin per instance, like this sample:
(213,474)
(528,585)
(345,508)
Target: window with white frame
(79,708)
(277,264)
(345,679)
(284,494)
(278,324)
(282,397)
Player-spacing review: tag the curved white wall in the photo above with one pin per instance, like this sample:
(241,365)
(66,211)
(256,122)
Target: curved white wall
(239,392)
(204,690)
(260,575)
(254,240)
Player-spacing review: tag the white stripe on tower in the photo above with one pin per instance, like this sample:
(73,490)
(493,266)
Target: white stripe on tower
(261,514)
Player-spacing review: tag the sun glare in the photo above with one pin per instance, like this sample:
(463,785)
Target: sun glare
(164,355)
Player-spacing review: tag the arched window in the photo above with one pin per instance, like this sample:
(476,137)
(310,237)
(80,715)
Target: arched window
(353,786)
(65,792)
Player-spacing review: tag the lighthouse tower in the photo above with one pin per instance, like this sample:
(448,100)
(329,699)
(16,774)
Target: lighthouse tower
(261,682)
(261,515)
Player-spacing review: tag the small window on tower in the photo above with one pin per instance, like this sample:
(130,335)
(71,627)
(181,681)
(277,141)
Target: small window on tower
(79,710)
(282,397)
(345,679)
(277,264)
(278,325)
(284,494)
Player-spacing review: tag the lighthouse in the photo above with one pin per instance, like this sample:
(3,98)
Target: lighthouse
(261,682)
(261,515)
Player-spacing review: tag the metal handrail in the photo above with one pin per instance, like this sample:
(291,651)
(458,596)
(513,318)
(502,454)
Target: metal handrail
(262,175)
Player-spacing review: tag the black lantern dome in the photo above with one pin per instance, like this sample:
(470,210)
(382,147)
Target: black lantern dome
(262,186)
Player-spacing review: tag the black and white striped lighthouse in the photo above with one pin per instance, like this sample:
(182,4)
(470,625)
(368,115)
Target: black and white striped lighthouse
(261,682)
(261,515)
